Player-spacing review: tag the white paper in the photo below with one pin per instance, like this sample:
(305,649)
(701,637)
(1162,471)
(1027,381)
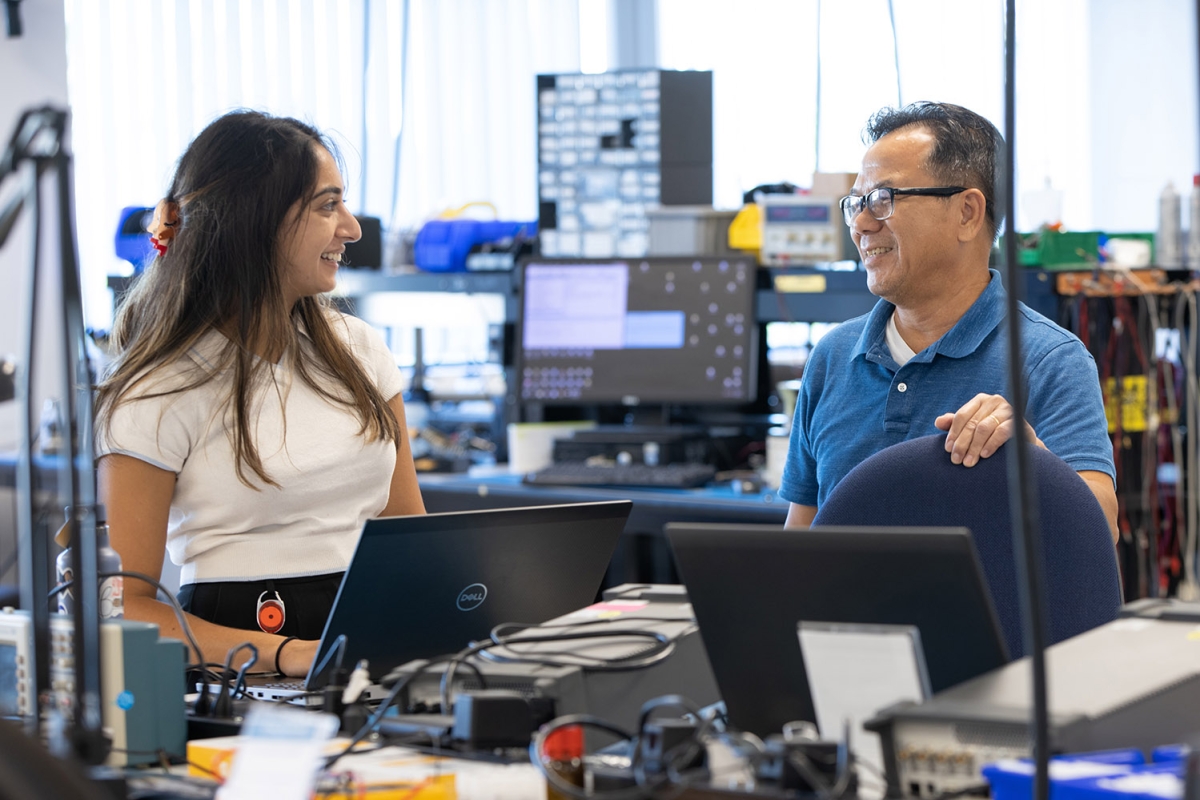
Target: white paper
(280,755)
(853,672)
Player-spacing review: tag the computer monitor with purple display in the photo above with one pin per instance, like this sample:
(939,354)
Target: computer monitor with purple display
(638,331)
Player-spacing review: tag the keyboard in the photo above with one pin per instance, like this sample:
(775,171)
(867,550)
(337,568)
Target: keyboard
(580,473)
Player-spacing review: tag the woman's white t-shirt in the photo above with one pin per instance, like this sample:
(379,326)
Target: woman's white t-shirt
(331,479)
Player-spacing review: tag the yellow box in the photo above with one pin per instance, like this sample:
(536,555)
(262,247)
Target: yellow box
(390,773)
(1132,402)
(800,284)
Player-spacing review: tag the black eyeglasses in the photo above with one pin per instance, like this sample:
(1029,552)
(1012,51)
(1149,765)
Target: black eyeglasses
(881,202)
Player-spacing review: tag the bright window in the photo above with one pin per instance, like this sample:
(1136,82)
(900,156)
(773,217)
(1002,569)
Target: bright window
(146,77)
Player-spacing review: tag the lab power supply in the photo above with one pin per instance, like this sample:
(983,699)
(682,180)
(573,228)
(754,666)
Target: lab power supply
(1134,682)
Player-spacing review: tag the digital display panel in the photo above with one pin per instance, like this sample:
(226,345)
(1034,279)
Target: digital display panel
(675,330)
(798,213)
(9,705)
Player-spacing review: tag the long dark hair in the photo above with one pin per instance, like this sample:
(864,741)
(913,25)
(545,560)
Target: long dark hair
(235,187)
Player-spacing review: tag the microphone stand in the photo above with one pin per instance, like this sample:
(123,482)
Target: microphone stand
(38,149)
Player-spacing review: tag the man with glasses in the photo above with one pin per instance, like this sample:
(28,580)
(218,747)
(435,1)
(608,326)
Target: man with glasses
(932,354)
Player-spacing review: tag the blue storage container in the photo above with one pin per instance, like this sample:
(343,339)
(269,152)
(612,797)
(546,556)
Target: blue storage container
(1170,752)
(442,245)
(132,242)
(1109,775)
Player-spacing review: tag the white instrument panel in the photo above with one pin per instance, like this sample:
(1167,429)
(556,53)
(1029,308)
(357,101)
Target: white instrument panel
(800,229)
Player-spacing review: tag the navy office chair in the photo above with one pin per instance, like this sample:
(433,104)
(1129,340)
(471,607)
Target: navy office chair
(915,484)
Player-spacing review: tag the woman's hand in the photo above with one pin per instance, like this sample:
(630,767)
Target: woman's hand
(137,496)
(297,657)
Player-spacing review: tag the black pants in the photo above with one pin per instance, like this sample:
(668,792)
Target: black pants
(306,601)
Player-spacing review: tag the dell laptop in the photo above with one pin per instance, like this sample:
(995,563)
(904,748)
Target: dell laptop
(750,585)
(427,585)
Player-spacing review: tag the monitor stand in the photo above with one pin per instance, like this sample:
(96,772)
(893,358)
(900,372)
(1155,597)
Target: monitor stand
(648,417)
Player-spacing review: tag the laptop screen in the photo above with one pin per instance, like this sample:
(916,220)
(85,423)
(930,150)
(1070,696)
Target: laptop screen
(427,585)
(750,586)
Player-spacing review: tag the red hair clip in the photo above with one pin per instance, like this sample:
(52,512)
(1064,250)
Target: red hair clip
(163,227)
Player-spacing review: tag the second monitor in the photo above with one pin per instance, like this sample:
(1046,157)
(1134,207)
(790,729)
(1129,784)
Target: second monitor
(632,331)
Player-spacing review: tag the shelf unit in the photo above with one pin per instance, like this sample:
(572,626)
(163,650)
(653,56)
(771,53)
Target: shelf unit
(358,283)
(792,294)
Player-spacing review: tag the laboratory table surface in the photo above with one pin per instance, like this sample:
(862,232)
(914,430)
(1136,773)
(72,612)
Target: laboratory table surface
(643,555)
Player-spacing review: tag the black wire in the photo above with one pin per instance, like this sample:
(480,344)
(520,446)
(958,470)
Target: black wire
(709,726)
(555,780)
(976,790)
(375,717)
(601,662)
(548,658)
(201,665)
(812,774)
(668,646)
(683,752)
(479,676)
(512,640)
(239,685)
(222,706)
(165,757)
(621,663)
(598,621)
(673,760)
(180,615)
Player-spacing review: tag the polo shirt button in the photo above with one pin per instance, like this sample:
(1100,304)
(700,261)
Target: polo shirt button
(902,387)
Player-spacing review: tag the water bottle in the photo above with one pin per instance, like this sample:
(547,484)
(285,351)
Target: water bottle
(112,590)
(1194,226)
(1167,242)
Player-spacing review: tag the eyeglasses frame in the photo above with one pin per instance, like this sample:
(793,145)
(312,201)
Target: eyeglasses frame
(863,204)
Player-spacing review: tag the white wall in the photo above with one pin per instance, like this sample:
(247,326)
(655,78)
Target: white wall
(1143,108)
(34,67)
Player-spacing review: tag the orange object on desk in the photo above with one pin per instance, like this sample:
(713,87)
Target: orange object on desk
(390,773)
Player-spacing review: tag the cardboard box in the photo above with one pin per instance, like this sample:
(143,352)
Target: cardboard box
(833,184)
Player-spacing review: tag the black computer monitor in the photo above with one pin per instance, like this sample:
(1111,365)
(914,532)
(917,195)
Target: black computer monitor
(636,331)
(750,585)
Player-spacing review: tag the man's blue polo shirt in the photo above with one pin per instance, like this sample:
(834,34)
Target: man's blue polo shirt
(855,400)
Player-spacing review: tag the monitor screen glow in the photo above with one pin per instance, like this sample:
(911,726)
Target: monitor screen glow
(670,330)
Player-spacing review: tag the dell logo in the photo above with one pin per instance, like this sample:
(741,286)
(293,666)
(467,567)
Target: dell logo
(472,597)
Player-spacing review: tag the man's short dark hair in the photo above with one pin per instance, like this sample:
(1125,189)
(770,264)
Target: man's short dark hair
(966,148)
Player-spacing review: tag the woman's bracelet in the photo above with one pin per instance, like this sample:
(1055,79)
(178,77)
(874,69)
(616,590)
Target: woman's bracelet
(279,650)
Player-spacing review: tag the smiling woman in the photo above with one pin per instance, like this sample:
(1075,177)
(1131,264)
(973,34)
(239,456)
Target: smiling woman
(313,244)
(245,426)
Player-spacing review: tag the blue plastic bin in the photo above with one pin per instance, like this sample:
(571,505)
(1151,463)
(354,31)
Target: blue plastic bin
(442,245)
(1108,775)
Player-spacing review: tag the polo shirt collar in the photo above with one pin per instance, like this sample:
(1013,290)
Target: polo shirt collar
(973,327)
(964,338)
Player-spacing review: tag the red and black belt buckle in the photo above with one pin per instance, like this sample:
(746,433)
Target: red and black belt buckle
(270,613)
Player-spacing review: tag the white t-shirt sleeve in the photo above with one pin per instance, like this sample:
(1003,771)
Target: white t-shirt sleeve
(150,429)
(162,431)
(374,355)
